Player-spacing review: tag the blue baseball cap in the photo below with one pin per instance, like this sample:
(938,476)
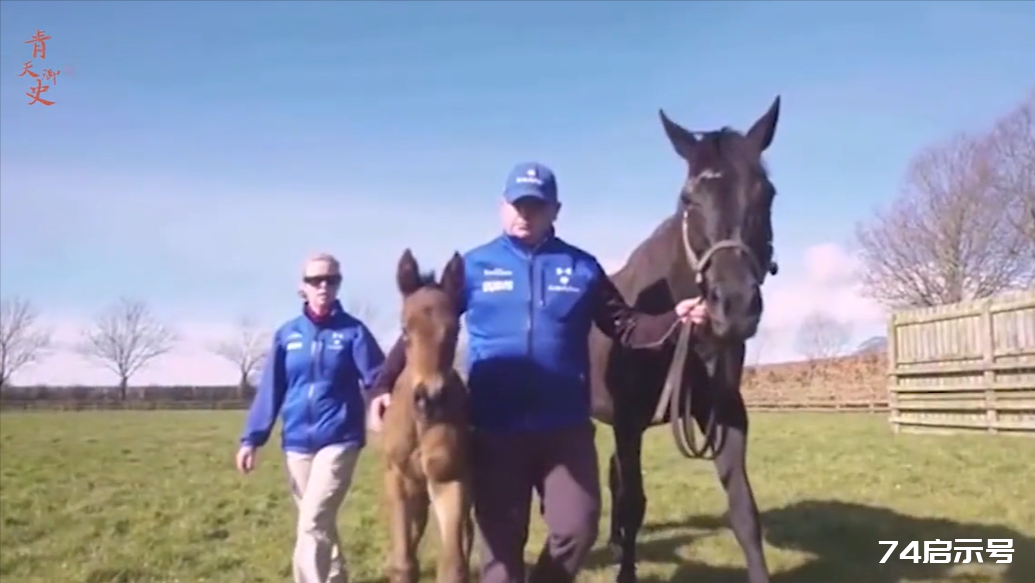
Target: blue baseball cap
(530,179)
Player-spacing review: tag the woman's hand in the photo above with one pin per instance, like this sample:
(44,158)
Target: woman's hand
(246,459)
(376,416)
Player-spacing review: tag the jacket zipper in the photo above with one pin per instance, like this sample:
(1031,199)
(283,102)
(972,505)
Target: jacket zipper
(314,352)
(531,300)
(532,285)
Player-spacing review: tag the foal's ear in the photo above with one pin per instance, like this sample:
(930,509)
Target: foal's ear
(452,281)
(682,140)
(762,132)
(407,276)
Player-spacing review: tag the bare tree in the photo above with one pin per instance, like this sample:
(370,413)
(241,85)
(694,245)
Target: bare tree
(821,336)
(125,338)
(362,311)
(948,237)
(22,340)
(755,348)
(246,350)
(1013,143)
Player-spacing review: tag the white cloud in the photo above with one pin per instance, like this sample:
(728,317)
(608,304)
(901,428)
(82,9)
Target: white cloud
(828,283)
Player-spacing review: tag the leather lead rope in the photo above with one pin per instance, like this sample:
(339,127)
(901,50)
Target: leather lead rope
(681,419)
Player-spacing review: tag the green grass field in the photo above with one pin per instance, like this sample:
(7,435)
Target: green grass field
(133,497)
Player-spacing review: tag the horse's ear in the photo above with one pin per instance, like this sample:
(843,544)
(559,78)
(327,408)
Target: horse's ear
(407,276)
(762,132)
(452,280)
(682,141)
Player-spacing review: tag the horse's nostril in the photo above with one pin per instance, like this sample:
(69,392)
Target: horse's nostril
(727,305)
(714,296)
(420,399)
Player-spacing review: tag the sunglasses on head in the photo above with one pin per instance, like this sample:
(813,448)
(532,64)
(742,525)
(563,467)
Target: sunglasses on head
(316,280)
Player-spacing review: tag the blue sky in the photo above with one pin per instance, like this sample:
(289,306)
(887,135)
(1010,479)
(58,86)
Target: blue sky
(198,151)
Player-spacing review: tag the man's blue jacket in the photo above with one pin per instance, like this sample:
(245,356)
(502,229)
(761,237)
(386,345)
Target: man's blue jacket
(528,315)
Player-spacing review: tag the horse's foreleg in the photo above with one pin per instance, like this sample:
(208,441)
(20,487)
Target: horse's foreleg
(628,501)
(614,485)
(731,466)
(408,517)
(452,504)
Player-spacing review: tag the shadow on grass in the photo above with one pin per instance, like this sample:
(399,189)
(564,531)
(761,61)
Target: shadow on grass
(842,539)
(427,573)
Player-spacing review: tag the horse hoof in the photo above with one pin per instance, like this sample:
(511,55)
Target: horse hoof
(627,576)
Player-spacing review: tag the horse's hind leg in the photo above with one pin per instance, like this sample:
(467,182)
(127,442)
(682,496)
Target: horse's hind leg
(408,517)
(628,500)
(452,504)
(730,463)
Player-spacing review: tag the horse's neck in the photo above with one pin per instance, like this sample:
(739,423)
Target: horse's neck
(651,260)
(422,364)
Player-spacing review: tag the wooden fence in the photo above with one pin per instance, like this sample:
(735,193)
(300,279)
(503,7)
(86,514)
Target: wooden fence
(966,367)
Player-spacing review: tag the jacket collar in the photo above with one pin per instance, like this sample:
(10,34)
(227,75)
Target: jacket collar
(525,250)
(336,313)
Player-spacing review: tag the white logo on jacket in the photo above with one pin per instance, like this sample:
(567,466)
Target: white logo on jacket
(564,280)
(337,340)
(497,285)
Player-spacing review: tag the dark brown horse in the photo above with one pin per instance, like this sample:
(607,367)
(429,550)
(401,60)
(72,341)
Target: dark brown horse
(717,245)
(426,429)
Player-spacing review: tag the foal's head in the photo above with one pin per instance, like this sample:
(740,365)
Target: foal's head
(430,326)
(725,207)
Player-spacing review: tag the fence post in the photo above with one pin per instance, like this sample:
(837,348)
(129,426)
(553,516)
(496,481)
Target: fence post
(989,377)
(892,378)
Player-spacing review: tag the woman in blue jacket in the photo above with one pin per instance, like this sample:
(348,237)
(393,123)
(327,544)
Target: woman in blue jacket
(317,368)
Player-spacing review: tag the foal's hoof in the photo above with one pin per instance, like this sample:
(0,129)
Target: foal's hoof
(402,575)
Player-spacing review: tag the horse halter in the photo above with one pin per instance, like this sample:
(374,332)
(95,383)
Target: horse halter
(698,263)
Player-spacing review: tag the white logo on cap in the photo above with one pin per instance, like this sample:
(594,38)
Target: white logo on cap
(531,176)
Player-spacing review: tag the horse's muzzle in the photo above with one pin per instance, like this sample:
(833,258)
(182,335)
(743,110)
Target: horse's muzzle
(736,311)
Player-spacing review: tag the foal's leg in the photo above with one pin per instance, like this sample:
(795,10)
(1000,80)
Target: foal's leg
(628,501)
(452,504)
(730,463)
(408,516)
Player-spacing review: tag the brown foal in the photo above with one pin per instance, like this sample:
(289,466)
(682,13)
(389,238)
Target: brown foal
(426,433)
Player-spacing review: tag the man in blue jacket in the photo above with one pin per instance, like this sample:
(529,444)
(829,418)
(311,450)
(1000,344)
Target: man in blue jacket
(530,301)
